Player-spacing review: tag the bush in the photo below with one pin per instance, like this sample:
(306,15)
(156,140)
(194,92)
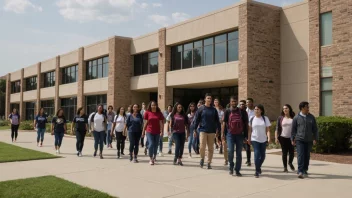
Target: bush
(26,125)
(272,131)
(4,123)
(334,134)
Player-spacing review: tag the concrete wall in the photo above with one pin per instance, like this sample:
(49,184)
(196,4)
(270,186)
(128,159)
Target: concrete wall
(96,50)
(214,22)
(294,53)
(68,90)
(30,95)
(144,82)
(68,59)
(145,43)
(139,98)
(96,86)
(15,76)
(30,71)
(15,97)
(48,65)
(47,93)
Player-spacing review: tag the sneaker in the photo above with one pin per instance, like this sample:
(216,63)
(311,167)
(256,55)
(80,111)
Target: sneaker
(122,153)
(175,161)
(190,156)
(161,154)
(80,154)
(238,174)
(256,175)
(95,153)
(101,156)
(300,175)
(292,167)
(209,166)
(226,163)
(201,163)
(151,162)
(180,163)
(285,170)
(135,160)
(57,152)
(169,152)
(231,172)
(249,164)
(131,158)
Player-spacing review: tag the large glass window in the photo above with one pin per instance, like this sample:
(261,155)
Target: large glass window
(70,74)
(326,91)
(49,107)
(146,63)
(214,50)
(93,101)
(31,83)
(69,105)
(98,68)
(49,79)
(30,110)
(16,86)
(326,28)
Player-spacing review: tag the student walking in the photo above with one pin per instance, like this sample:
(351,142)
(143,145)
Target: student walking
(110,116)
(221,144)
(207,119)
(134,124)
(251,113)
(283,135)
(40,122)
(190,114)
(80,126)
(179,126)
(258,136)
(196,137)
(15,123)
(142,138)
(153,127)
(58,128)
(236,122)
(304,135)
(98,126)
(167,114)
(118,127)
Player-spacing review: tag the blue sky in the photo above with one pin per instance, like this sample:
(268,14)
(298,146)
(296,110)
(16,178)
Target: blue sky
(36,30)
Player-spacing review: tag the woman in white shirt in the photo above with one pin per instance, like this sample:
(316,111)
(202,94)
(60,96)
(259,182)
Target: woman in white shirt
(283,135)
(98,123)
(118,127)
(258,136)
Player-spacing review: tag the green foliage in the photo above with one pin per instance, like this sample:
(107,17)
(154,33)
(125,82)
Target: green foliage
(272,131)
(26,125)
(4,123)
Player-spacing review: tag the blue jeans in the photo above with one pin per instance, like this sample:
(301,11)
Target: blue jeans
(232,141)
(153,140)
(99,139)
(259,154)
(134,138)
(108,137)
(58,139)
(40,134)
(180,144)
(196,142)
(160,150)
(190,140)
(303,155)
(170,141)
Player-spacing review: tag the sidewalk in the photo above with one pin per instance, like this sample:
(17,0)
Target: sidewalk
(121,178)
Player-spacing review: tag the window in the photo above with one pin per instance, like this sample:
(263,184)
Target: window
(326,28)
(16,86)
(326,91)
(69,105)
(49,79)
(31,83)
(93,101)
(214,50)
(30,110)
(70,74)
(49,107)
(146,63)
(98,68)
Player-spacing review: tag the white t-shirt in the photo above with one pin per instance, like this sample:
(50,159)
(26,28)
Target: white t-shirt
(120,123)
(250,113)
(286,127)
(99,124)
(259,129)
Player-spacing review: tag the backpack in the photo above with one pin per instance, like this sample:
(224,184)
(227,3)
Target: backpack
(251,120)
(93,115)
(235,125)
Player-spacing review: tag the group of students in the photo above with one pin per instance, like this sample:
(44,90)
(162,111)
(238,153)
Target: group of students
(204,125)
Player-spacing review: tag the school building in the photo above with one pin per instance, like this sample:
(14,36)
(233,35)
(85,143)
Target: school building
(275,55)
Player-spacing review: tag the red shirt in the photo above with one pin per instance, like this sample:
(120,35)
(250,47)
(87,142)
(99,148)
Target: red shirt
(153,119)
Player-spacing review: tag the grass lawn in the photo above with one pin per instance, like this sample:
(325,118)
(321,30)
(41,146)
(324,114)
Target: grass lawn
(11,153)
(48,186)
(5,127)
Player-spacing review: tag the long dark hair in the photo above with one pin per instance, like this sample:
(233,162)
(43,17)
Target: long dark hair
(124,112)
(149,108)
(139,109)
(261,107)
(174,110)
(292,113)
(58,111)
(79,110)
(189,107)
(40,111)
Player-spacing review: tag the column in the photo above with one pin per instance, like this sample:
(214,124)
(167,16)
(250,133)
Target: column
(57,83)
(40,83)
(81,78)
(22,104)
(165,94)
(8,96)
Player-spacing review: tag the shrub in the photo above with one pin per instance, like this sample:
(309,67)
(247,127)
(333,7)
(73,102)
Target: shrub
(4,123)
(272,131)
(26,125)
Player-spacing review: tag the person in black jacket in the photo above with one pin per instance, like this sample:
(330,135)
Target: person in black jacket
(80,126)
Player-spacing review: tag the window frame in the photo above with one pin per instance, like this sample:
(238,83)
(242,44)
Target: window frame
(67,74)
(31,83)
(145,57)
(52,78)
(93,66)
(16,86)
(321,29)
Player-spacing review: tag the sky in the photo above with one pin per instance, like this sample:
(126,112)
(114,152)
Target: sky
(33,31)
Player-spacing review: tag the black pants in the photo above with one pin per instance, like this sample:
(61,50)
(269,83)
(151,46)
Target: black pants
(142,141)
(134,142)
(247,147)
(286,147)
(80,136)
(179,139)
(120,142)
(14,131)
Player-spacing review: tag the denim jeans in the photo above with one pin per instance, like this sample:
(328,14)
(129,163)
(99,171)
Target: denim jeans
(180,144)
(40,134)
(80,136)
(190,140)
(134,142)
(58,139)
(171,138)
(303,155)
(196,142)
(259,154)
(160,150)
(153,140)
(232,141)
(99,140)
(108,137)
(247,147)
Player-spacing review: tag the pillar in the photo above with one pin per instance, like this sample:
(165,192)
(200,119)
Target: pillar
(81,78)
(22,109)
(8,96)
(57,83)
(40,83)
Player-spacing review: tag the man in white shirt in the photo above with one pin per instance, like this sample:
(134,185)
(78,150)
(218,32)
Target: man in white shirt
(251,113)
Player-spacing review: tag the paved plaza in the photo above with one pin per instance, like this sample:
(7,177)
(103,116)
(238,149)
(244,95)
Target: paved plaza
(119,177)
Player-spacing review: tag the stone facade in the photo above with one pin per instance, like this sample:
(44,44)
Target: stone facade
(40,83)
(8,94)
(259,54)
(81,78)
(57,83)
(22,104)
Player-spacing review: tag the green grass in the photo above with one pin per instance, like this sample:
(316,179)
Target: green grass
(5,127)
(11,153)
(48,186)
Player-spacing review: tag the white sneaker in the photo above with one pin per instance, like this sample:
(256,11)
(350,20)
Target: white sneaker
(161,154)
(80,154)
(57,152)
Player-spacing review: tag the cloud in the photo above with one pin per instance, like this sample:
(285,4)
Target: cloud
(164,21)
(108,11)
(20,6)
(156,5)
(179,17)
(159,19)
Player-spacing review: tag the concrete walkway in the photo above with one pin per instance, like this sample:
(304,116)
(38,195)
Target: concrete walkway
(121,178)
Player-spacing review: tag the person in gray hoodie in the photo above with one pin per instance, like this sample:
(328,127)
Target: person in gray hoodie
(304,135)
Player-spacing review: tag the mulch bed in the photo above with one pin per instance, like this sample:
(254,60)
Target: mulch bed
(342,158)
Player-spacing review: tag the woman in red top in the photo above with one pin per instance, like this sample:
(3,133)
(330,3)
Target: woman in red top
(178,126)
(154,127)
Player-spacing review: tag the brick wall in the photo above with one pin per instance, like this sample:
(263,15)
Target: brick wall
(259,54)
(81,78)
(40,83)
(57,83)
(22,104)
(8,94)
